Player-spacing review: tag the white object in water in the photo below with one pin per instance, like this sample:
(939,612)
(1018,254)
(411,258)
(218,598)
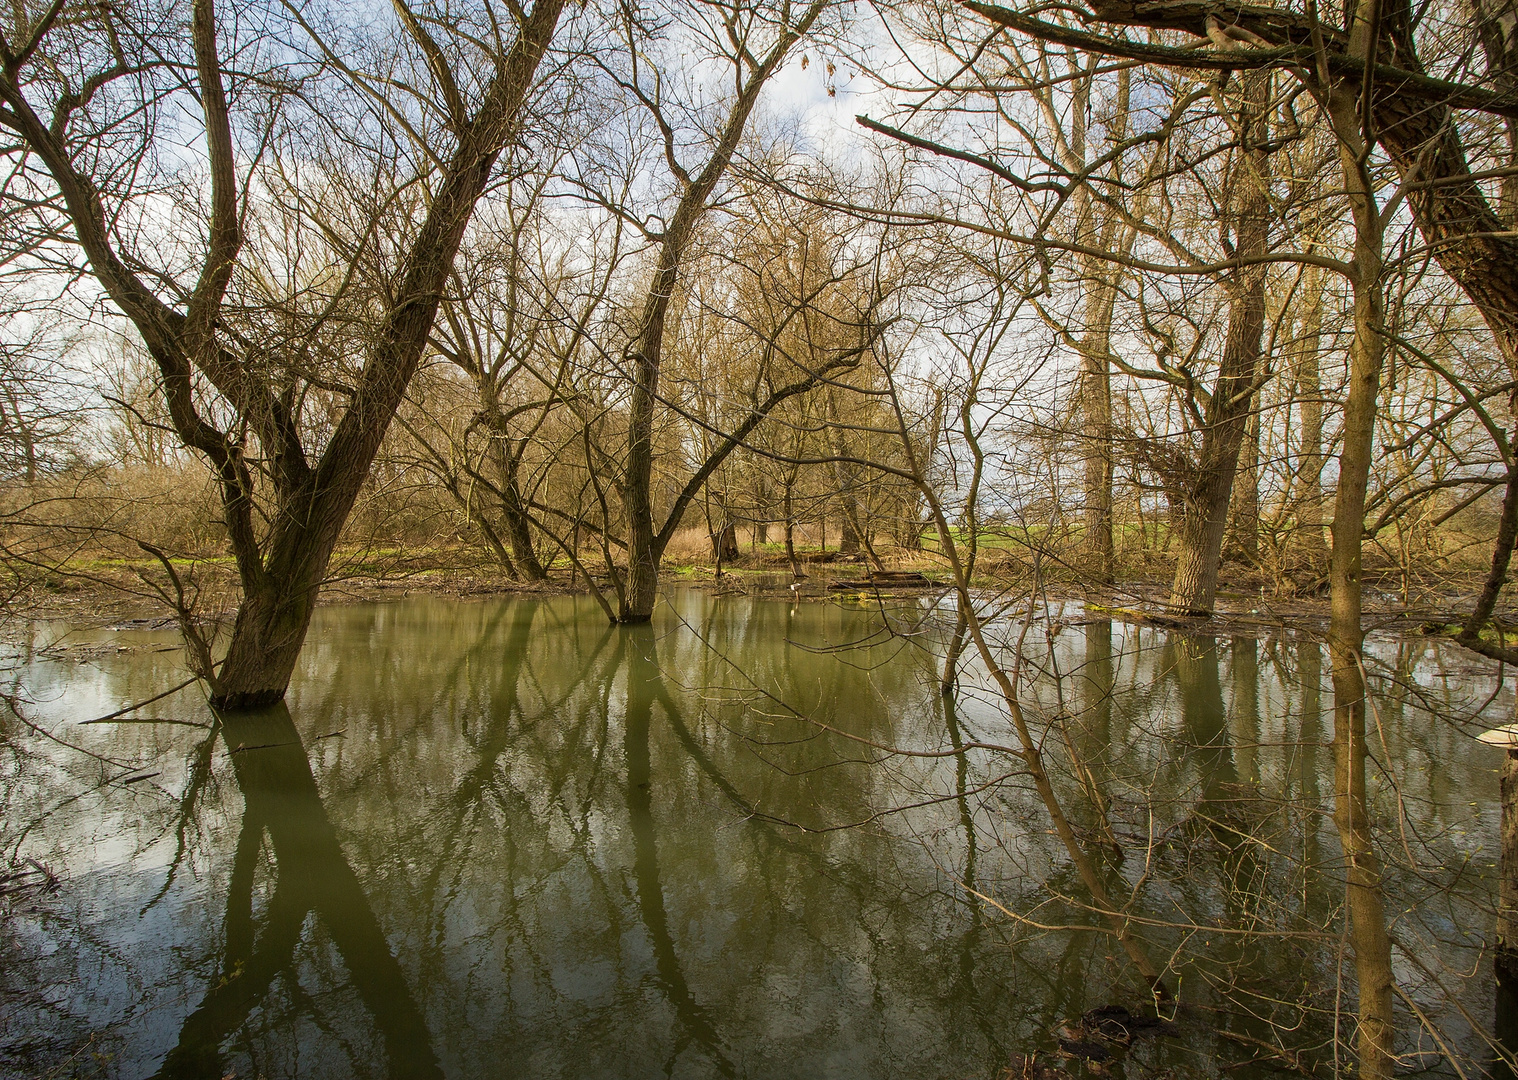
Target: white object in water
(1506,737)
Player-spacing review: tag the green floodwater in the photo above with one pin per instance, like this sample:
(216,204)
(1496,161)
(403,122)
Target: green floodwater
(491,839)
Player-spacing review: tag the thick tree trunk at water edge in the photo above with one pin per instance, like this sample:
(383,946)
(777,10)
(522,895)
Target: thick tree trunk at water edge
(1228,406)
(642,574)
(524,554)
(266,641)
(1201,536)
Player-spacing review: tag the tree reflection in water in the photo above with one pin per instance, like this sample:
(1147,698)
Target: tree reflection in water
(569,850)
(644,686)
(311,877)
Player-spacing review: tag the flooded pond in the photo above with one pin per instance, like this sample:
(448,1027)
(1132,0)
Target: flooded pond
(500,838)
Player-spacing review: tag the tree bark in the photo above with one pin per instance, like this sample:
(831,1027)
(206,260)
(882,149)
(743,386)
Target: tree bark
(1502,555)
(848,536)
(1310,448)
(1245,508)
(644,546)
(1095,352)
(267,636)
(1207,496)
(725,543)
(788,509)
(506,454)
(1506,957)
(1372,944)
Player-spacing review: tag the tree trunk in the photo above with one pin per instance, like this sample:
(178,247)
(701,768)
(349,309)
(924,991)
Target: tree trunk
(1096,369)
(1245,509)
(643,547)
(1502,555)
(1506,953)
(514,516)
(1372,945)
(637,498)
(1310,450)
(950,678)
(1228,409)
(725,543)
(848,538)
(846,476)
(280,573)
(518,528)
(1463,231)
(1096,401)
(266,641)
(788,509)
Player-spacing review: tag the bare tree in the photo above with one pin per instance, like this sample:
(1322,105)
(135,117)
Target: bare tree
(86,93)
(752,41)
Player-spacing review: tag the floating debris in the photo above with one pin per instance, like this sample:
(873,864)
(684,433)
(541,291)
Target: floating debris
(28,876)
(1027,1067)
(1114,1023)
(1072,1045)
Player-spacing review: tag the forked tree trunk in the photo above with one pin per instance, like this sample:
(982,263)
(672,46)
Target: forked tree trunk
(1472,241)
(644,546)
(280,572)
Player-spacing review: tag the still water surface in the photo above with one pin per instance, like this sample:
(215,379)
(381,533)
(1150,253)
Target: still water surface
(502,839)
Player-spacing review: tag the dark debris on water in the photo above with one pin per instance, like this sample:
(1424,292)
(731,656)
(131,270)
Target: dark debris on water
(27,877)
(1091,1040)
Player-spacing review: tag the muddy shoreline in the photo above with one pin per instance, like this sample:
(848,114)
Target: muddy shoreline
(124,595)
